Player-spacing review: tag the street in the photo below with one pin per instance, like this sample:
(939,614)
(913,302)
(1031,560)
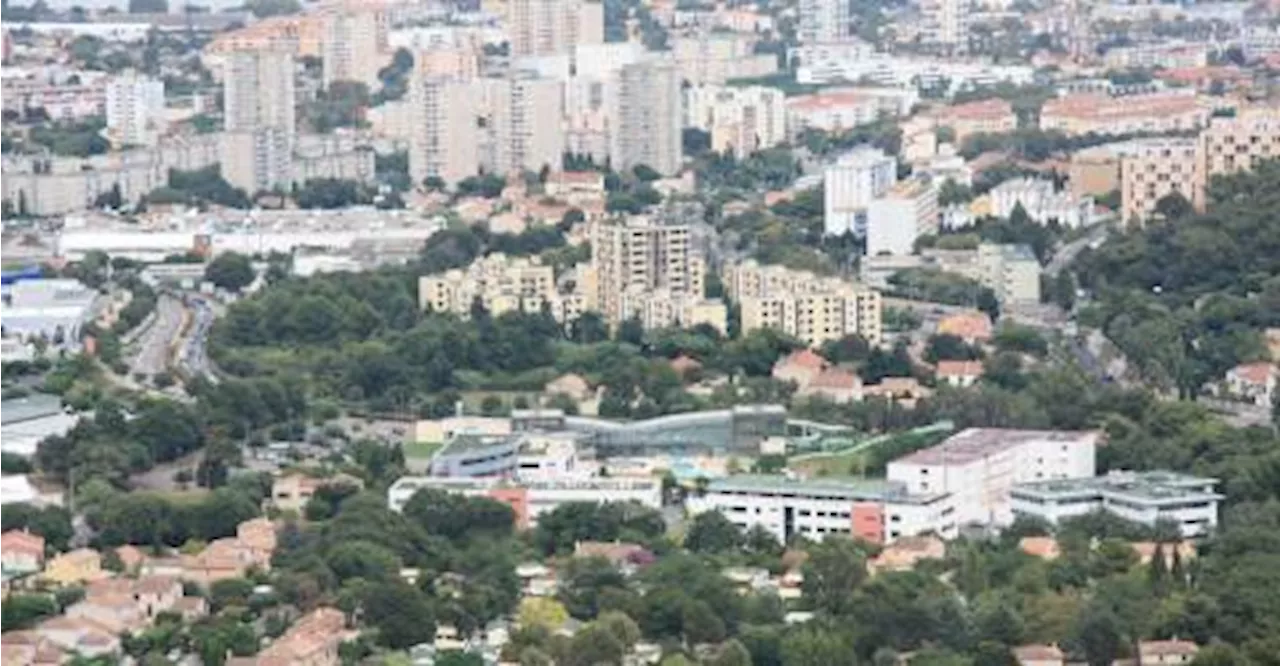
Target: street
(152,356)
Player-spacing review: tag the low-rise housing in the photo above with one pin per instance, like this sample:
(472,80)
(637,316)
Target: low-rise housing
(833,384)
(959,373)
(311,641)
(972,327)
(1253,382)
(1162,653)
(905,553)
(1039,655)
(291,492)
(83,565)
(22,553)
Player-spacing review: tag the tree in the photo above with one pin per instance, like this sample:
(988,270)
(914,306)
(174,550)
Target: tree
(631,332)
(816,647)
(594,645)
(711,532)
(51,522)
(22,611)
(454,516)
(946,347)
(589,328)
(363,560)
(231,271)
(267,8)
(835,568)
(400,613)
(731,653)
(542,612)
(621,626)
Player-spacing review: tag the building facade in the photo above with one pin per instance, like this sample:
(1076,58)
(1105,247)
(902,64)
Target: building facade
(906,212)
(135,105)
(851,184)
(740,121)
(524,123)
(553,27)
(1153,170)
(638,256)
(445,140)
(814,309)
(979,468)
(647,117)
(875,511)
(1142,497)
(355,45)
(497,282)
(530,499)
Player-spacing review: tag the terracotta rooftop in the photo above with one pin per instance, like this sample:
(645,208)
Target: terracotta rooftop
(1255,373)
(835,378)
(970,326)
(959,368)
(986,109)
(805,358)
(1100,106)
(1042,547)
(22,541)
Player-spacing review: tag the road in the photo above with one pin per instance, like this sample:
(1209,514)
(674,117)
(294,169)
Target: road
(152,356)
(192,355)
(1068,253)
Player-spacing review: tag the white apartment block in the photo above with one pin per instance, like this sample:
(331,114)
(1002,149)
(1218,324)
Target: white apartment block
(531,498)
(979,468)
(500,283)
(647,116)
(553,27)
(56,186)
(1011,271)
(1144,497)
(740,121)
(1170,55)
(811,308)
(823,21)
(875,511)
(641,256)
(851,184)
(258,92)
(135,106)
(717,57)
(354,46)
(1042,202)
(834,66)
(256,161)
(906,212)
(445,141)
(525,126)
(946,23)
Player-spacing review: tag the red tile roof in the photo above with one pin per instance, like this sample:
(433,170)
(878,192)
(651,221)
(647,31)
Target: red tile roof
(959,368)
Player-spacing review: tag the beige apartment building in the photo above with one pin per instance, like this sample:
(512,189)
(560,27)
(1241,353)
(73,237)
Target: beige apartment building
(638,255)
(1011,271)
(992,116)
(1096,113)
(525,126)
(355,45)
(1156,168)
(500,283)
(663,308)
(1229,145)
(812,308)
(444,138)
(553,27)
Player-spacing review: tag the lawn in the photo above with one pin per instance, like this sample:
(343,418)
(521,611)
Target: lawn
(421,449)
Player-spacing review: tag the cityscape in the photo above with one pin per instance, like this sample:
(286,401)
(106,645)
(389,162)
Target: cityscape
(640,333)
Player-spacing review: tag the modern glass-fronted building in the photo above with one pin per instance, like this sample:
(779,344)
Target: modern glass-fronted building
(738,429)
